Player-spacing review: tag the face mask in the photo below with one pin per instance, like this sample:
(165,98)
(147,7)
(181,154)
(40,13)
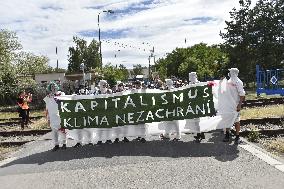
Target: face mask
(232,75)
(192,79)
(103,89)
(82,91)
(169,85)
(53,89)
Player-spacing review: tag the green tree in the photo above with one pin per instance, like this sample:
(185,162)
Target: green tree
(137,70)
(207,61)
(254,35)
(190,64)
(8,45)
(15,66)
(112,73)
(83,53)
(30,64)
(8,77)
(123,73)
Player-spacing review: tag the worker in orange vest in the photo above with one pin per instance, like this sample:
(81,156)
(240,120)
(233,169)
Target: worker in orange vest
(24,110)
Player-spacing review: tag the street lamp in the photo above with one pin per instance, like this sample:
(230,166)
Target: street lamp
(82,67)
(100,43)
(149,58)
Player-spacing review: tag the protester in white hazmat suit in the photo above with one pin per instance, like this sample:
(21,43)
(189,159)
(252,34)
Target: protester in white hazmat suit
(237,94)
(170,127)
(192,77)
(103,133)
(121,130)
(52,116)
(86,131)
(140,128)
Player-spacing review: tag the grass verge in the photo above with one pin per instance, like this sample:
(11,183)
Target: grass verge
(33,113)
(274,145)
(263,112)
(5,151)
(251,95)
(36,125)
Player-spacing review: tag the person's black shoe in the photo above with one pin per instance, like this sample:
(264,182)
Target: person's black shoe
(143,140)
(56,147)
(237,141)
(108,142)
(64,147)
(176,139)
(137,139)
(116,141)
(77,145)
(163,137)
(125,139)
(198,136)
(226,139)
(202,135)
(99,142)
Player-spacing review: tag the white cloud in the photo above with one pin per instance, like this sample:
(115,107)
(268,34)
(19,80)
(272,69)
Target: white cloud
(43,25)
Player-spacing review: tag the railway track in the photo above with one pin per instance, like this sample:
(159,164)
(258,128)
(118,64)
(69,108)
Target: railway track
(16,121)
(263,121)
(263,102)
(247,104)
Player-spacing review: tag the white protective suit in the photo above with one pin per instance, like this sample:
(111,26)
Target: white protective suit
(139,130)
(53,117)
(170,127)
(192,125)
(235,89)
(104,134)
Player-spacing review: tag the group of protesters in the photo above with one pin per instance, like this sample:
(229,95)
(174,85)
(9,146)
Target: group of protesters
(53,118)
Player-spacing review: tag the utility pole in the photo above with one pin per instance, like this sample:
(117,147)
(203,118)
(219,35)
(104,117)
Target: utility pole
(82,67)
(149,58)
(56,59)
(100,43)
(151,55)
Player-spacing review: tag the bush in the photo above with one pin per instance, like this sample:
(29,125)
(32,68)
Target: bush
(68,87)
(253,136)
(10,94)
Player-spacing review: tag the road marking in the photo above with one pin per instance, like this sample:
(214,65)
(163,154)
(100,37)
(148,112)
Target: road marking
(263,156)
(6,161)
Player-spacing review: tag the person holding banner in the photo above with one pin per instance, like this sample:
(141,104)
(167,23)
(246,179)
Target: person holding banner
(192,77)
(237,93)
(120,88)
(170,127)
(142,127)
(52,116)
(103,89)
(80,132)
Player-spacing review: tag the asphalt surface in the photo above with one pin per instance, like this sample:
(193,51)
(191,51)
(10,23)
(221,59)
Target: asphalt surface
(154,164)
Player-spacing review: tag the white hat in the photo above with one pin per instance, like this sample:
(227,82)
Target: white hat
(102,82)
(234,70)
(192,77)
(118,83)
(169,82)
(192,74)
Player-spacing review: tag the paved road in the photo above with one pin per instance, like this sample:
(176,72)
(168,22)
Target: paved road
(155,164)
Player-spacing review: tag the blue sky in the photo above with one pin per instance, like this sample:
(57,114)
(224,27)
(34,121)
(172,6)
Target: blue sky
(127,35)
